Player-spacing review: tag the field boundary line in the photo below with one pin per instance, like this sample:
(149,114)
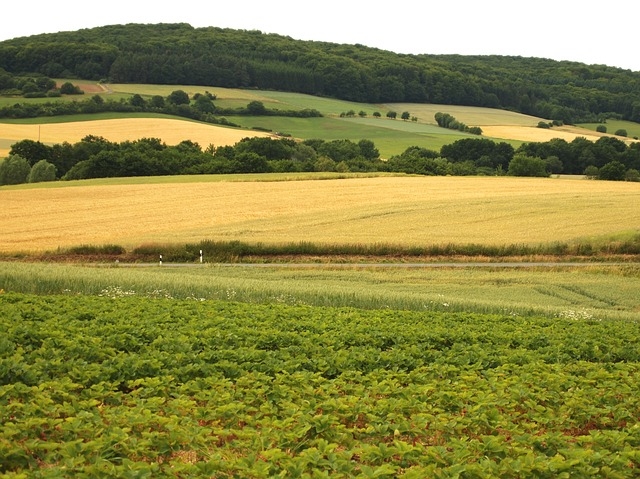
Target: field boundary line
(547,264)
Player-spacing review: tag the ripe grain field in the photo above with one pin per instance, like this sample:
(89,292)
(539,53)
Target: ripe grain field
(392,210)
(171,131)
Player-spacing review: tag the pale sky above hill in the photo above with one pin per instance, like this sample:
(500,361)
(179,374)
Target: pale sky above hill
(588,32)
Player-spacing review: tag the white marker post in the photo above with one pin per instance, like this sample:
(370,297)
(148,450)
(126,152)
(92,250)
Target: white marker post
(160,260)
(200,256)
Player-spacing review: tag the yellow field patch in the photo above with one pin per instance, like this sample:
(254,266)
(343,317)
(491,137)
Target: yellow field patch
(469,115)
(170,131)
(530,133)
(399,210)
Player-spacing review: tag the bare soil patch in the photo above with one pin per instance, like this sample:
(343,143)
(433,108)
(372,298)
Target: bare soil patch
(88,87)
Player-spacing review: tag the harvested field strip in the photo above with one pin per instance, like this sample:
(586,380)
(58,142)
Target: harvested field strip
(171,131)
(395,210)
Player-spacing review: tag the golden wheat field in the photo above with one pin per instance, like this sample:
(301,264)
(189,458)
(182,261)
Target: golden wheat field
(171,131)
(530,133)
(399,210)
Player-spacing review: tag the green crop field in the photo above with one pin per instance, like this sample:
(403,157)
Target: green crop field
(582,292)
(139,387)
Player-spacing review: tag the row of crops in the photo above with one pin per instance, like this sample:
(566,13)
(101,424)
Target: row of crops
(138,387)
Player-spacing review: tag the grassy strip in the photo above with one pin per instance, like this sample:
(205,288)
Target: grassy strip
(227,178)
(239,251)
(591,292)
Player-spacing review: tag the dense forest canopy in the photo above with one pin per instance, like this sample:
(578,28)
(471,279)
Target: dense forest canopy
(180,54)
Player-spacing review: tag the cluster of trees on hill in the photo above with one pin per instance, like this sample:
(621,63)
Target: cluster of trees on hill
(445,120)
(95,157)
(34,86)
(27,85)
(180,54)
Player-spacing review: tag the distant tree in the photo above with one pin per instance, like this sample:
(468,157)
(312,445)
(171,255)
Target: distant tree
(256,108)
(523,165)
(405,115)
(29,87)
(304,153)
(178,97)
(31,150)
(614,171)
(324,164)
(601,129)
(342,167)
(97,99)
(444,120)
(157,101)
(68,88)
(392,115)
(250,162)
(368,150)
(137,101)
(554,165)
(45,83)
(204,104)
(339,150)
(42,171)
(14,170)
(591,172)
(376,114)
(632,175)
(621,132)
(362,113)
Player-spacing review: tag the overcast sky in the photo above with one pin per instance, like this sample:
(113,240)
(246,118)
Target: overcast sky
(598,32)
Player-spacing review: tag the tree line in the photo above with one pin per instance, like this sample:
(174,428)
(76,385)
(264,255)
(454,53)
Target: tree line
(95,157)
(569,92)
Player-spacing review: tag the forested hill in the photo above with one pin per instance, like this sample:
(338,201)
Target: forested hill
(180,54)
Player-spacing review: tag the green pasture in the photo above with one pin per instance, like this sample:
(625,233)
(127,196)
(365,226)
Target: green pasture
(388,137)
(591,292)
(235,97)
(43,120)
(633,129)
(470,115)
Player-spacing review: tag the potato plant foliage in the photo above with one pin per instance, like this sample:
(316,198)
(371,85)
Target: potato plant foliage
(140,387)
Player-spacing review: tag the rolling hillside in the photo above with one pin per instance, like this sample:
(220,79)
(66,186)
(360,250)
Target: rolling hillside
(390,136)
(173,54)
